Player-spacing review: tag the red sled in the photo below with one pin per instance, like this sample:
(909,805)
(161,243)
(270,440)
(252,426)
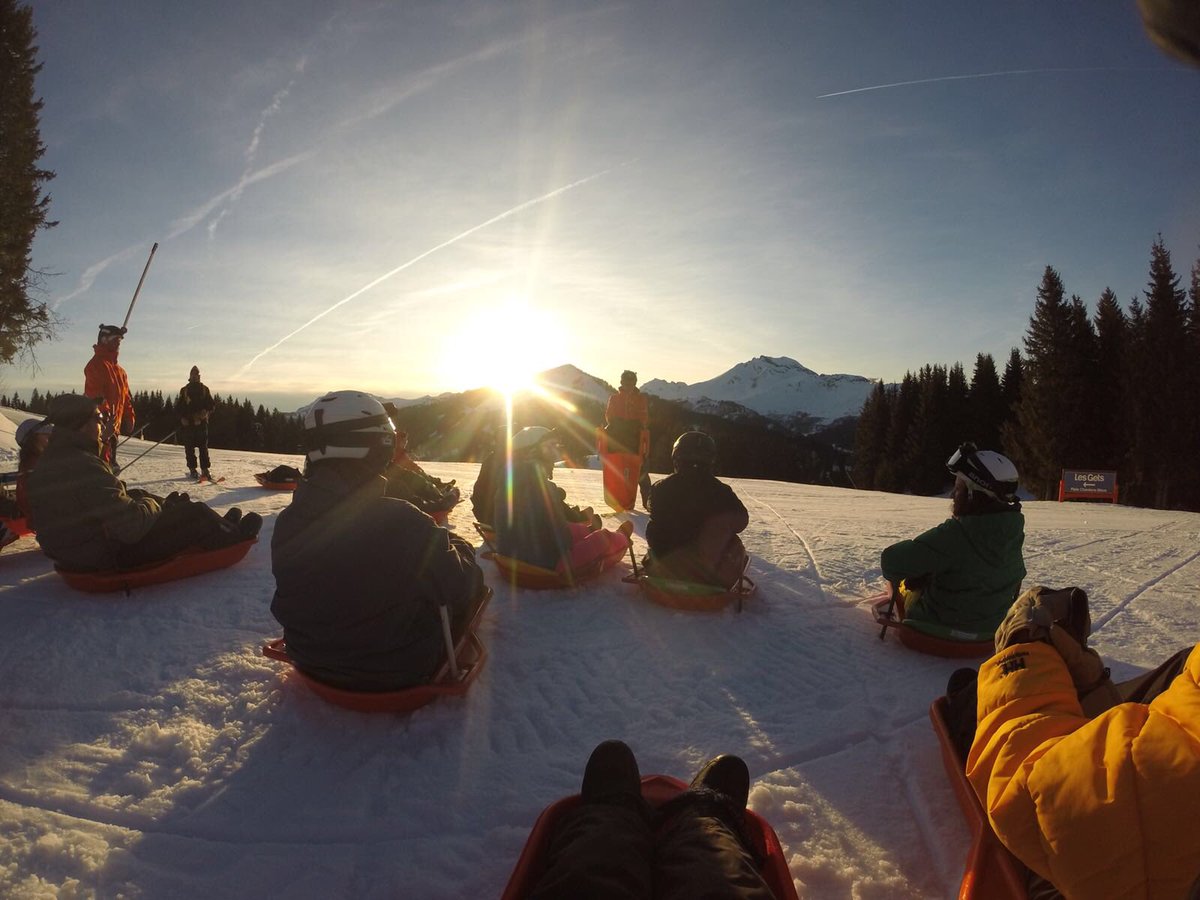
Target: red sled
(657,790)
(926,638)
(621,474)
(992,872)
(469,653)
(17,526)
(185,565)
(261,478)
(539,578)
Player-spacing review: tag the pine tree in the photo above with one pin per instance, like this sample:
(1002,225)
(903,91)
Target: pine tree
(23,207)
(1038,439)
(1112,331)
(987,410)
(871,436)
(1165,374)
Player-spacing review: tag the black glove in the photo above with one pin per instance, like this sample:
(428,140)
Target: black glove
(175,497)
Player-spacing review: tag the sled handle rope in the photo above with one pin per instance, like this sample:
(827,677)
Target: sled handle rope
(138,289)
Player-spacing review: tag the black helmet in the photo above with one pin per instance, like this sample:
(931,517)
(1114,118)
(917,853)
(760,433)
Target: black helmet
(694,448)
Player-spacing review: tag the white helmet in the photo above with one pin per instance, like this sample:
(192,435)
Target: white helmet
(30,427)
(531,437)
(985,470)
(349,425)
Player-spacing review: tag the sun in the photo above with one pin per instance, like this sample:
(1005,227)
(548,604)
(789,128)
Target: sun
(504,346)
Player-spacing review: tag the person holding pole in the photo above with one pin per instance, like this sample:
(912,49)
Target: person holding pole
(105,377)
(194,405)
(362,579)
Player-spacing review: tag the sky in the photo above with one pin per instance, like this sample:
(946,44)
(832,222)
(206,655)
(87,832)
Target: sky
(426,197)
(151,751)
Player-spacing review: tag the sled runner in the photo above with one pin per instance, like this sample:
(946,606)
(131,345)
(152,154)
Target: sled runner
(992,873)
(621,473)
(656,789)
(470,655)
(261,478)
(928,637)
(184,565)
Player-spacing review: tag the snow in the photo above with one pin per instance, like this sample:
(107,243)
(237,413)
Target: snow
(773,386)
(150,750)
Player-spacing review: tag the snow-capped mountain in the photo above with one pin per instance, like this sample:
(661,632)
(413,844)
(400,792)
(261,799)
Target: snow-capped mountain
(777,387)
(568,381)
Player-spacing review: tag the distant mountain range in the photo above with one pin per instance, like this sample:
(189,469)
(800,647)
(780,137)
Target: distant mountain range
(776,388)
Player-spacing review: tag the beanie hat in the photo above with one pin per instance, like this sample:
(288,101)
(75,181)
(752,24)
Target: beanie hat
(628,377)
(72,411)
(30,427)
(194,375)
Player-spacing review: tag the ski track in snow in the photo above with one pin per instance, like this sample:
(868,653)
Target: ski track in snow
(152,751)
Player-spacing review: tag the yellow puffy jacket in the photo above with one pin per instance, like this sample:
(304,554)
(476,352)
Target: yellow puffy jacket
(1106,807)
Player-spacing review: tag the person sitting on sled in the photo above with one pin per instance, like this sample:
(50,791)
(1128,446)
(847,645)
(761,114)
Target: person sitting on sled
(695,519)
(360,577)
(408,481)
(1087,782)
(32,437)
(88,521)
(534,524)
(627,427)
(965,573)
(613,845)
(105,377)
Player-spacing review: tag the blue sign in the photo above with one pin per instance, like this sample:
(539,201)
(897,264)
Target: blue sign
(1078,481)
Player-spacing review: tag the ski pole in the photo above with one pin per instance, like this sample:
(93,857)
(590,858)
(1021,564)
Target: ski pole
(451,656)
(147,450)
(138,290)
(135,434)
(890,607)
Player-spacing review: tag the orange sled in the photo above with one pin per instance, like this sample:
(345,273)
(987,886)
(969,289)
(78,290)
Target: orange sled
(953,644)
(17,526)
(992,873)
(690,596)
(656,789)
(521,574)
(185,565)
(469,653)
(261,478)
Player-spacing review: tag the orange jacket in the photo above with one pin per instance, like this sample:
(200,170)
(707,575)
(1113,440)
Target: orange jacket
(1103,808)
(104,377)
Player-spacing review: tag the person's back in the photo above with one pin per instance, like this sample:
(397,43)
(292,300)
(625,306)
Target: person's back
(534,528)
(966,572)
(483,494)
(626,417)
(359,576)
(82,510)
(695,519)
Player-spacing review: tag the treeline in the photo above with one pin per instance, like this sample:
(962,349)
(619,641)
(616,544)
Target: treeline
(1117,390)
(233,425)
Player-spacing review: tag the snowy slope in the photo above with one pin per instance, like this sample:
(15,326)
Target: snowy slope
(774,386)
(150,751)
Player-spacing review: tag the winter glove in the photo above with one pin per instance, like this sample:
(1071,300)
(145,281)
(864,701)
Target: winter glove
(1034,612)
(1086,668)
(175,497)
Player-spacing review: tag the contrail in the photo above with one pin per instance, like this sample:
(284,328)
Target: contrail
(880,87)
(416,259)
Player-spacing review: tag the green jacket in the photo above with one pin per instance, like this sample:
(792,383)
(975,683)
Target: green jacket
(974,568)
(82,510)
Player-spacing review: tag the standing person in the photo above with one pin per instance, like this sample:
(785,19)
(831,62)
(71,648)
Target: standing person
(195,404)
(695,519)
(360,577)
(104,377)
(965,573)
(627,424)
(87,521)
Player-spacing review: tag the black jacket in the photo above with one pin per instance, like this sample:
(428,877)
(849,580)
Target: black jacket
(537,533)
(680,505)
(358,582)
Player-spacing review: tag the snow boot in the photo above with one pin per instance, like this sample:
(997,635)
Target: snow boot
(612,776)
(249,525)
(727,775)
(193,474)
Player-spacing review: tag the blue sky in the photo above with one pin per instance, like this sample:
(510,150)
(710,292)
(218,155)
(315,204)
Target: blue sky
(424,197)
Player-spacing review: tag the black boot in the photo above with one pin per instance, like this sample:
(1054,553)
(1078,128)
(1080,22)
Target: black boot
(727,775)
(611,775)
